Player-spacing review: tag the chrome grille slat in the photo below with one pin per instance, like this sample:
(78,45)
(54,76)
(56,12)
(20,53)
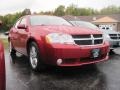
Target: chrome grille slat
(83,39)
(88,39)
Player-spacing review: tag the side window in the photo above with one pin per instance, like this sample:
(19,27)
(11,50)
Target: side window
(107,28)
(23,21)
(103,28)
(17,23)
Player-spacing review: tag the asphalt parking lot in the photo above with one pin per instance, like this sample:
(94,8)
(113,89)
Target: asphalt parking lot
(102,76)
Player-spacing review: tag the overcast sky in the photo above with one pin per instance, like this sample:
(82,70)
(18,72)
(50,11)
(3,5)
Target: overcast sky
(12,6)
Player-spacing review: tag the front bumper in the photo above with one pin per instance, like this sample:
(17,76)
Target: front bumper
(114,43)
(74,55)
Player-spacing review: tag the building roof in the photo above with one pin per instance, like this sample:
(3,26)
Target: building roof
(106,19)
(116,17)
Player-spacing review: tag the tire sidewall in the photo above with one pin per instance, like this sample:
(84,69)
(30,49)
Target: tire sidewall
(39,63)
(12,51)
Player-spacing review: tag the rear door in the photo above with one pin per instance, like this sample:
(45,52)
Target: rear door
(14,37)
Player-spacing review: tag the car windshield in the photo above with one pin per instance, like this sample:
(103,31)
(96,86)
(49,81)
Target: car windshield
(48,20)
(84,24)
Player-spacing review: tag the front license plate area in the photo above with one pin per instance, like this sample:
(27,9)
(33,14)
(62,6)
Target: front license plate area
(95,53)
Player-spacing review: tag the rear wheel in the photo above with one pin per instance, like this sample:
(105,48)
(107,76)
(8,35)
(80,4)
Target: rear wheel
(12,51)
(35,58)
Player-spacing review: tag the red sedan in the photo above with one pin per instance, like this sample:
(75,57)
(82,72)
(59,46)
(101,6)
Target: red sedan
(2,68)
(52,40)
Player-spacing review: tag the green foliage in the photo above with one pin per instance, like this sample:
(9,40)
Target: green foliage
(45,13)
(9,19)
(60,11)
(110,10)
(73,10)
(26,12)
(5,42)
(76,11)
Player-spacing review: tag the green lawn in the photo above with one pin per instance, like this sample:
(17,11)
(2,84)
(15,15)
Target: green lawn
(5,42)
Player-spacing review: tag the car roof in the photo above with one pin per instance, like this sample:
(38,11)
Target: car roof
(40,15)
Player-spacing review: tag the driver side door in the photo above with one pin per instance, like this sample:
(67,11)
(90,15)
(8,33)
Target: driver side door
(23,35)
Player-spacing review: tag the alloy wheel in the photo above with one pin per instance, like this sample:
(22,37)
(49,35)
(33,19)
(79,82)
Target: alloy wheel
(33,57)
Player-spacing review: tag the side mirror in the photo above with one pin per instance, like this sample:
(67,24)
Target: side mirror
(22,26)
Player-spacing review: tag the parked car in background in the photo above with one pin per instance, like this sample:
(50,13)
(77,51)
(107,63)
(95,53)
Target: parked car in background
(54,41)
(2,68)
(112,36)
(6,33)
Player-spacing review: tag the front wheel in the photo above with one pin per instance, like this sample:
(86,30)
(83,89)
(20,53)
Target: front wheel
(35,58)
(111,51)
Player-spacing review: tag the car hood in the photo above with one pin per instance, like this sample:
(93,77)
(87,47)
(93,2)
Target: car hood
(65,29)
(110,32)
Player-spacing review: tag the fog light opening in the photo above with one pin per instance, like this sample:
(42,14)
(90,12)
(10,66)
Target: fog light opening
(59,61)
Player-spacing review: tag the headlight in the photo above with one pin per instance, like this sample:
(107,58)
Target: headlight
(59,38)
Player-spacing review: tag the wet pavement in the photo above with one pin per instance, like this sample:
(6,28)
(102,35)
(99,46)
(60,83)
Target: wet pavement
(102,76)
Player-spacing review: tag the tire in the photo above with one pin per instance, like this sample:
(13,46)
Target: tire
(12,51)
(111,52)
(34,58)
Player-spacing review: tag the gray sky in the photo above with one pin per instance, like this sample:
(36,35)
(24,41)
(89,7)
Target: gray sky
(12,6)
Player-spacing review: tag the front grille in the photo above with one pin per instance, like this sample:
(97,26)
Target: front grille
(114,36)
(81,36)
(88,59)
(83,42)
(99,41)
(97,35)
(88,39)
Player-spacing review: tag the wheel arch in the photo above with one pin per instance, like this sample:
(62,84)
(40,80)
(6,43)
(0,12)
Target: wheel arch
(32,39)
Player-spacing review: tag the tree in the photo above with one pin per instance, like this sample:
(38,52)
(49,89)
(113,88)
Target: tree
(60,11)
(110,10)
(71,10)
(9,20)
(26,12)
(75,11)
